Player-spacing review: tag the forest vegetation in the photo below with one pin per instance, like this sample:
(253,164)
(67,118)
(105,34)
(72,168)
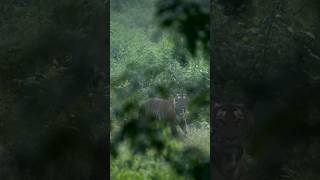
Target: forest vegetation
(148,61)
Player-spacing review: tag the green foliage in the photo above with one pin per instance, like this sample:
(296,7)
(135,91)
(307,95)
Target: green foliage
(147,62)
(187,18)
(143,68)
(150,166)
(175,162)
(198,136)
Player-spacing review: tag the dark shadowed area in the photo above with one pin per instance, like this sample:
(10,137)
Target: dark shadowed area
(54,93)
(265,54)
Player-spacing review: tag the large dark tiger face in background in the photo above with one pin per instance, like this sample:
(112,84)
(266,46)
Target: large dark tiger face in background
(232,125)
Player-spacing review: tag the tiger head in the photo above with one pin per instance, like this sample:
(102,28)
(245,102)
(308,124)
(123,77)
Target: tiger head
(181,103)
(232,126)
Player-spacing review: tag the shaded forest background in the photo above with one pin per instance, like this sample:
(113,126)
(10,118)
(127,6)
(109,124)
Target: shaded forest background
(53,95)
(266,55)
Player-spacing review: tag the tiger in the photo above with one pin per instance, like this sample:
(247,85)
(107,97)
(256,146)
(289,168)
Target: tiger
(232,127)
(170,112)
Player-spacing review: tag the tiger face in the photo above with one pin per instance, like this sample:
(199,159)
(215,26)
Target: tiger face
(231,129)
(181,102)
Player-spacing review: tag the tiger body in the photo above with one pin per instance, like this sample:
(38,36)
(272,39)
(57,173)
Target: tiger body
(168,112)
